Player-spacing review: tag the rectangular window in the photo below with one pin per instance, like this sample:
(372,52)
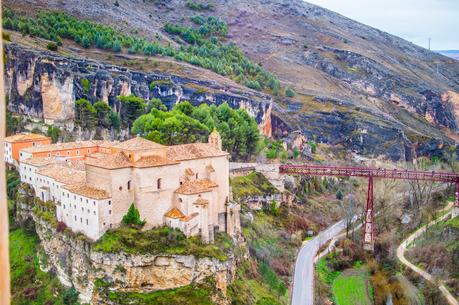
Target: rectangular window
(109,202)
(87,222)
(110,212)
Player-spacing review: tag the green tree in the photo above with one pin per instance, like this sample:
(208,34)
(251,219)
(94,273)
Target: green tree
(103,114)
(115,120)
(184,107)
(53,132)
(289,92)
(85,114)
(131,108)
(70,296)
(339,195)
(132,217)
(157,104)
(117,46)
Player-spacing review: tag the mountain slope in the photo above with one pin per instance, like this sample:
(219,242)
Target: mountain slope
(374,93)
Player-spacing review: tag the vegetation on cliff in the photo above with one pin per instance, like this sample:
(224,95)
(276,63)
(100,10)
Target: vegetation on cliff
(31,285)
(204,49)
(186,123)
(162,240)
(195,294)
(254,184)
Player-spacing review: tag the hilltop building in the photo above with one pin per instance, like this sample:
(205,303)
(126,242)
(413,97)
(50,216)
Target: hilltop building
(93,183)
(15,143)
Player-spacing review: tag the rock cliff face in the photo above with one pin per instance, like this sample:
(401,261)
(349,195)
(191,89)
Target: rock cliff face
(45,86)
(76,264)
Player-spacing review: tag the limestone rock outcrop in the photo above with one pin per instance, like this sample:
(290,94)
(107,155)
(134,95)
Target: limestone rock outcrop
(42,85)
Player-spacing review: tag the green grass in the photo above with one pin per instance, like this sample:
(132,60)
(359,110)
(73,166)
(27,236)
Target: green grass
(453,223)
(187,295)
(30,285)
(350,288)
(162,240)
(326,275)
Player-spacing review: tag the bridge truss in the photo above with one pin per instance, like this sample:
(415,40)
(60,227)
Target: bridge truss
(370,174)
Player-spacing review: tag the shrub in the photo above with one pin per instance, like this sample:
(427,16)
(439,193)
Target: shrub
(53,133)
(61,226)
(289,92)
(339,195)
(132,217)
(117,46)
(70,296)
(85,84)
(52,46)
(6,36)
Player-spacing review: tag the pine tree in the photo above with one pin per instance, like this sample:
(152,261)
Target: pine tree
(132,217)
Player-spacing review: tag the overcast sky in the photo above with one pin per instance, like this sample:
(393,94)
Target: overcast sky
(413,20)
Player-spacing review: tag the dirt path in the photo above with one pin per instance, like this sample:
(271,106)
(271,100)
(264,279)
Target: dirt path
(401,256)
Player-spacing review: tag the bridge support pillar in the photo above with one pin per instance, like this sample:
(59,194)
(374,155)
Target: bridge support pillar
(368,237)
(456,200)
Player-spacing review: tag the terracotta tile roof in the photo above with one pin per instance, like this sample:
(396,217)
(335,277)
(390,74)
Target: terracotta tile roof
(189,217)
(25,137)
(138,143)
(189,172)
(153,160)
(41,161)
(85,190)
(196,187)
(109,161)
(175,213)
(120,160)
(193,151)
(63,174)
(63,146)
(202,201)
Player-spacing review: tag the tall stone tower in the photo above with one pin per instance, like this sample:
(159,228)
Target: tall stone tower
(215,139)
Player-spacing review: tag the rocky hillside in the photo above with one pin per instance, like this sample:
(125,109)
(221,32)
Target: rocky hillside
(373,93)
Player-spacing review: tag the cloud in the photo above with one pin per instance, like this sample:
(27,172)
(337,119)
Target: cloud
(413,20)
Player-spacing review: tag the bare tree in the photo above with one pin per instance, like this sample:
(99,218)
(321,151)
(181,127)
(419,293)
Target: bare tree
(349,207)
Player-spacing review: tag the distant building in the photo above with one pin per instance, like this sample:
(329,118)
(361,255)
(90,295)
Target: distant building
(93,183)
(13,144)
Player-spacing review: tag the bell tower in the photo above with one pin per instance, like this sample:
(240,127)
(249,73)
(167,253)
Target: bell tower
(215,140)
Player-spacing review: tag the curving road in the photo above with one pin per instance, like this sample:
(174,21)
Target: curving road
(303,281)
(401,256)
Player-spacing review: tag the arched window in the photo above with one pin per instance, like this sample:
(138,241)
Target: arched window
(158,183)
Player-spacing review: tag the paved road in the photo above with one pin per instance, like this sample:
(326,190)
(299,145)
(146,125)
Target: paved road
(303,281)
(401,256)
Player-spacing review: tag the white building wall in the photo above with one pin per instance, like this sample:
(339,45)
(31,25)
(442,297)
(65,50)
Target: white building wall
(83,214)
(8,153)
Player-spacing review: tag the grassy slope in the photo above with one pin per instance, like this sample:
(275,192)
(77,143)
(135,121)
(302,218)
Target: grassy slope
(350,288)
